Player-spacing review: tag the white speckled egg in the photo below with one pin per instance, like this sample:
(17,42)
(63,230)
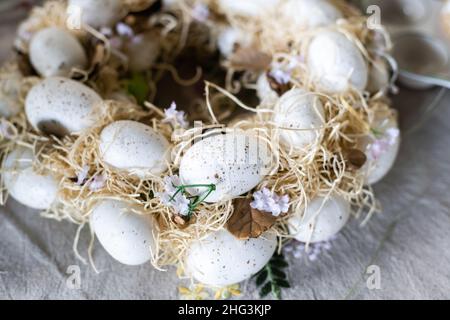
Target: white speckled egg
(299,109)
(321,221)
(24,184)
(55,52)
(247,8)
(378,76)
(305,14)
(230,38)
(381,154)
(60,106)
(134,147)
(222,260)
(125,235)
(264,91)
(234,162)
(100,13)
(142,51)
(335,63)
(10,104)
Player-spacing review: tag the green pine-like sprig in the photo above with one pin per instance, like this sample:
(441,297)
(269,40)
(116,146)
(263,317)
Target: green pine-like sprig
(272,278)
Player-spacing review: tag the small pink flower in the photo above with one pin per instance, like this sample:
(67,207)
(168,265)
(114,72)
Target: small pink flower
(106,31)
(98,183)
(116,42)
(124,30)
(281,76)
(179,201)
(382,144)
(82,175)
(312,252)
(268,201)
(137,39)
(200,12)
(175,117)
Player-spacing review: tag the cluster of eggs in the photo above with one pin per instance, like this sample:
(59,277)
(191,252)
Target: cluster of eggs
(61,106)
(336,65)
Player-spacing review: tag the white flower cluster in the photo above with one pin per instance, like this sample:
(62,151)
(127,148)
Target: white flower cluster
(283,75)
(179,202)
(175,117)
(97,183)
(200,12)
(312,253)
(382,144)
(268,201)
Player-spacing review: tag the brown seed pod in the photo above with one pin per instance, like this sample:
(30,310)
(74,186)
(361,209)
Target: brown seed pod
(355,158)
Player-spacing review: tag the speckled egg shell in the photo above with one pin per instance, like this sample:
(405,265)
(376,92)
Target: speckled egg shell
(100,13)
(55,52)
(142,52)
(125,235)
(134,147)
(299,109)
(234,162)
(305,14)
(247,8)
(24,184)
(320,221)
(222,260)
(229,38)
(60,106)
(335,63)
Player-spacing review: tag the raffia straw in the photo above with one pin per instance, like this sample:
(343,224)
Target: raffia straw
(52,13)
(321,169)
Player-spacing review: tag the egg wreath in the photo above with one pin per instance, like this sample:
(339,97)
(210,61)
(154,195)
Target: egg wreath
(83,140)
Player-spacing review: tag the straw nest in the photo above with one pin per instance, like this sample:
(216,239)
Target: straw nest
(322,169)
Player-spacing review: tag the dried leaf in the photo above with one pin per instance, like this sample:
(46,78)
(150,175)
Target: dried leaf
(247,222)
(355,158)
(279,88)
(250,59)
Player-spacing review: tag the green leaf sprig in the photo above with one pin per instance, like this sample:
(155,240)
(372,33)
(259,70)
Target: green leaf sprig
(272,278)
(195,201)
(138,87)
(377,133)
